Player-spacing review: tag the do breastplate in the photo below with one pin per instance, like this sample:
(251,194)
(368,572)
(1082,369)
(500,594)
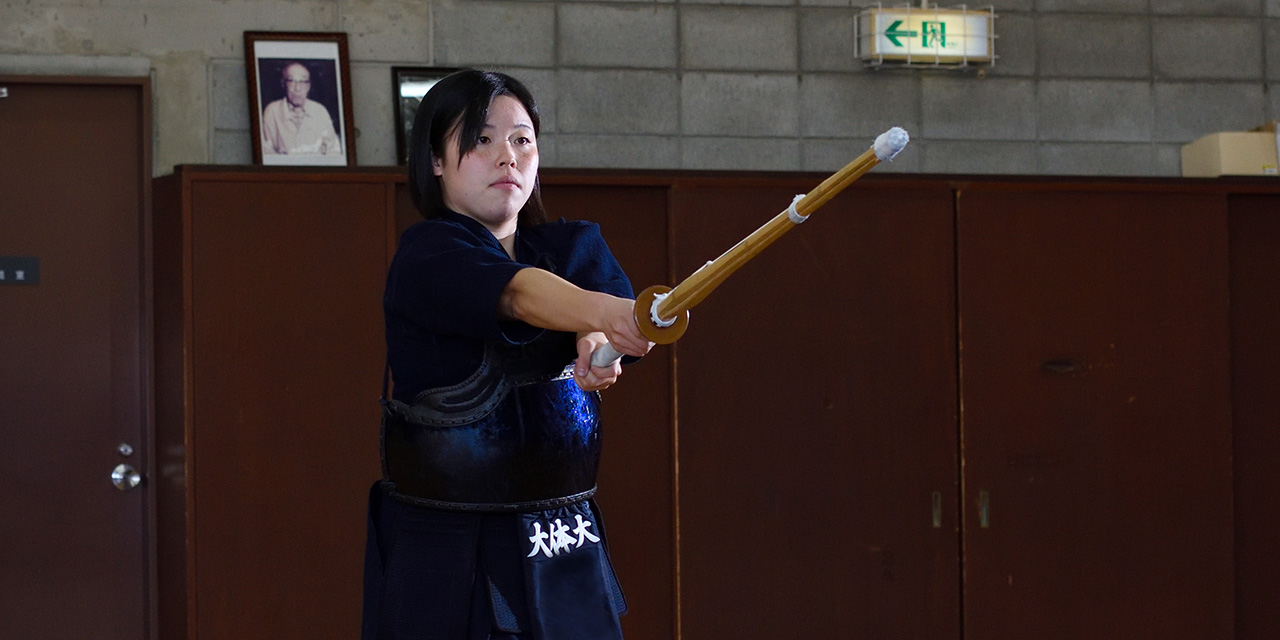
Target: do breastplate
(519,434)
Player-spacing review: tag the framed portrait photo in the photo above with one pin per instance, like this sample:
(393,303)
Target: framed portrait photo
(299,98)
(409,85)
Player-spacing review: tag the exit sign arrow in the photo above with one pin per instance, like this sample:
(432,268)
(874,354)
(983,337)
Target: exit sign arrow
(892,33)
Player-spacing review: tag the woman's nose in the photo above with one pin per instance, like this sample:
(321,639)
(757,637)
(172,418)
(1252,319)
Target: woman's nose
(506,155)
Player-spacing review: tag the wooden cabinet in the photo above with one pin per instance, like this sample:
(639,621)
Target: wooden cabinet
(269,359)
(982,409)
(1044,366)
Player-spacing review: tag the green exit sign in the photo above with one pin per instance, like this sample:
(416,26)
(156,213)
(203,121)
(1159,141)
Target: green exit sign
(926,36)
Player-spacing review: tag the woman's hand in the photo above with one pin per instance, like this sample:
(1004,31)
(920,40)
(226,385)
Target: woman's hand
(594,378)
(618,323)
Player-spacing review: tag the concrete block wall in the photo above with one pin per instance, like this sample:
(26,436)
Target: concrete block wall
(1081,87)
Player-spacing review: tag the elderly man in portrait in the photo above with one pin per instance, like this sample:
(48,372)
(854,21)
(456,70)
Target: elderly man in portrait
(296,125)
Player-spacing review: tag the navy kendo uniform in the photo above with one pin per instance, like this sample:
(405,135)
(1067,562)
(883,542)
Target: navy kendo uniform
(483,526)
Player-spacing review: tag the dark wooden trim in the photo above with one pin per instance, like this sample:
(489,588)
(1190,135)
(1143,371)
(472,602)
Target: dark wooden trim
(799,180)
(291,174)
(148,355)
(108,80)
(1255,232)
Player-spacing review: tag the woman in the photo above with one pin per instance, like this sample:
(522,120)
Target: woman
(484,526)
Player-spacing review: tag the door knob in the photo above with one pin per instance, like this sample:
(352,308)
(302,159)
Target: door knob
(125,477)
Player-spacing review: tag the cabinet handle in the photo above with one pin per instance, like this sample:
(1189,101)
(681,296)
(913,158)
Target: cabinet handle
(937,509)
(1060,367)
(984,509)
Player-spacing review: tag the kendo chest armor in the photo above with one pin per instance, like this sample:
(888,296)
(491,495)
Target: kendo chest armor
(519,434)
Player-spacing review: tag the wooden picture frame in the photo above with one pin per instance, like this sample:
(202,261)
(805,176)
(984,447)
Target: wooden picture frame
(299,98)
(408,86)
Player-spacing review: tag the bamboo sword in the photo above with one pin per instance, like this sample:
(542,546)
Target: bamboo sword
(663,312)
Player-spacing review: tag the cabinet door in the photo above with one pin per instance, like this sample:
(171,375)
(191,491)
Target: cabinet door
(816,424)
(287,361)
(1095,428)
(637,467)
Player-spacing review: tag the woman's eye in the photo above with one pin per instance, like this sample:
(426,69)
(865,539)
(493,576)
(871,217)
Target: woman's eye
(482,140)
(523,140)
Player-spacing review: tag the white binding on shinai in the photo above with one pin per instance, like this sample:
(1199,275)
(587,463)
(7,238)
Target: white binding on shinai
(653,311)
(889,143)
(794,215)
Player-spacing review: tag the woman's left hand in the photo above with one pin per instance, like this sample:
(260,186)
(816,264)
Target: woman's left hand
(594,378)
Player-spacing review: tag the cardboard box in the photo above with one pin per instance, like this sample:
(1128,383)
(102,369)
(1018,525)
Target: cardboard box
(1271,128)
(1231,153)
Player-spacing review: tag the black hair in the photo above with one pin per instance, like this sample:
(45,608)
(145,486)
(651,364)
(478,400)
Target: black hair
(461,100)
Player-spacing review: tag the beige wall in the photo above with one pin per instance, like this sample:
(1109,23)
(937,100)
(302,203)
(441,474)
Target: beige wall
(1088,87)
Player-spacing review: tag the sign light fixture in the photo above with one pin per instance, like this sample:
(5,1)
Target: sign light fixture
(926,37)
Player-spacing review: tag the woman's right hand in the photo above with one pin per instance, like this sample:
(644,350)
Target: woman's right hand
(618,323)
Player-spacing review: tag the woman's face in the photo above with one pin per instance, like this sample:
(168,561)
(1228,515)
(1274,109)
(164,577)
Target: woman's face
(494,180)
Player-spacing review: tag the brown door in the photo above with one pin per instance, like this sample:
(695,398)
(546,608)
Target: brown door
(74,349)
(1096,432)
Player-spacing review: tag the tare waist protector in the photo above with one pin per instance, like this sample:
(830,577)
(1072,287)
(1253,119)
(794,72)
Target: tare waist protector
(508,438)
